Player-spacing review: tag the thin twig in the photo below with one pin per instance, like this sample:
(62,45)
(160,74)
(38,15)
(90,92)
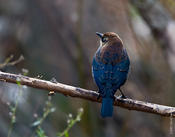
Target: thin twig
(8,61)
(87,94)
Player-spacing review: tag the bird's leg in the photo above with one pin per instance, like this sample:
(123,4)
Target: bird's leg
(98,96)
(122,96)
(114,98)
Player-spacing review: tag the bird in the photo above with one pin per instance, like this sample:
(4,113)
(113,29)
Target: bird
(110,68)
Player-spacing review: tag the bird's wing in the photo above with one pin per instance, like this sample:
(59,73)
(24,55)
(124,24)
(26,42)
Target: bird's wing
(125,63)
(103,75)
(120,73)
(110,77)
(98,70)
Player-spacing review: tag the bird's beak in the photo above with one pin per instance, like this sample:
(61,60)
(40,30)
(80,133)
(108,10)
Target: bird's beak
(99,34)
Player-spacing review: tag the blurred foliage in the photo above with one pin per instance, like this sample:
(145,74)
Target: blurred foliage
(71,122)
(57,39)
(40,132)
(13,109)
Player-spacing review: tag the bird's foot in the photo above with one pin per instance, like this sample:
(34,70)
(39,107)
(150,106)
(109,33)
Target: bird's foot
(114,97)
(98,96)
(122,96)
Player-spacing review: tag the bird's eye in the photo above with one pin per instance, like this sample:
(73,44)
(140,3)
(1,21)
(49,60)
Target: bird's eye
(104,39)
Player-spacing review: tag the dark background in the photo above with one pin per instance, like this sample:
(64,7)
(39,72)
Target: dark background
(57,39)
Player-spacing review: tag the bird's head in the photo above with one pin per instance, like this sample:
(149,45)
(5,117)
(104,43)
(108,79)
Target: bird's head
(108,38)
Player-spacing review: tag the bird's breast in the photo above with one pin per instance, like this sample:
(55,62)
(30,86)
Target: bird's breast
(109,54)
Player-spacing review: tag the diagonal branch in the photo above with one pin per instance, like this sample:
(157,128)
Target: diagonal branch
(87,94)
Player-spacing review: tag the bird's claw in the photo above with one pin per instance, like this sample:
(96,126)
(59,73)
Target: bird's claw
(122,96)
(98,97)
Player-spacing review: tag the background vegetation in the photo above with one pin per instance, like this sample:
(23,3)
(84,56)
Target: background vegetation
(57,39)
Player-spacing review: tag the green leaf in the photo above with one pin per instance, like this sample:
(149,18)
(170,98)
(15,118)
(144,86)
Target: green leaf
(52,109)
(13,119)
(36,123)
(66,134)
(18,83)
(40,132)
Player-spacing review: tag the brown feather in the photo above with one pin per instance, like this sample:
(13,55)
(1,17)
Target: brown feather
(111,50)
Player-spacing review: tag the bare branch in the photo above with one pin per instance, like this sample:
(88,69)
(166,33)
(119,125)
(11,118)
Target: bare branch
(87,94)
(8,61)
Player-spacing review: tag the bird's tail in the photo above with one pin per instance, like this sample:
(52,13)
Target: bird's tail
(107,107)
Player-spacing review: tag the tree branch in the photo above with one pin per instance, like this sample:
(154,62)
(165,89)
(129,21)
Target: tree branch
(87,94)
